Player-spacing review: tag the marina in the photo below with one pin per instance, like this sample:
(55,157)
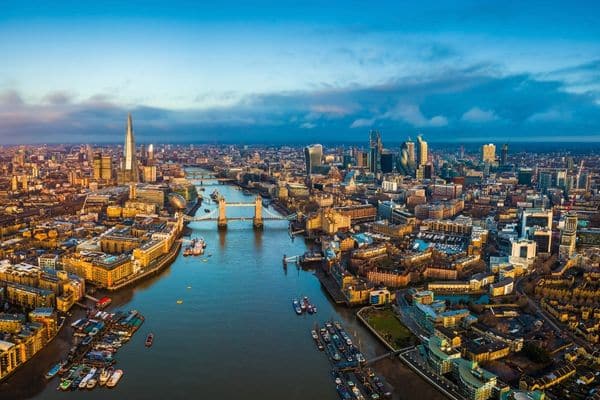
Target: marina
(353,380)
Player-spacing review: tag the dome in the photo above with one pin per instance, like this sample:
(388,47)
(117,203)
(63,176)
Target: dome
(176,200)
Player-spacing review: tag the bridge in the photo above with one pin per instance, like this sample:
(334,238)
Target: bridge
(390,354)
(257,219)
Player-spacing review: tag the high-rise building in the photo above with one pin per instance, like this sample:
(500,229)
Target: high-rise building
(107,173)
(488,153)
(504,154)
(97,164)
(150,159)
(313,156)
(375,149)
(102,164)
(409,145)
(129,168)
(423,151)
(568,236)
(524,176)
(387,161)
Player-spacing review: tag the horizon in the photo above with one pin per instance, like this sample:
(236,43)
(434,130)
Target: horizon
(294,72)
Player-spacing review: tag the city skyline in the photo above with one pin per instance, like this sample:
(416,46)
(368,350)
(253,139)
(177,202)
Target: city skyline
(295,73)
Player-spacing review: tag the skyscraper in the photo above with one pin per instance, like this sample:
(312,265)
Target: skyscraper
(129,168)
(423,151)
(488,153)
(504,154)
(150,160)
(313,156)
(375,148)
(568,236)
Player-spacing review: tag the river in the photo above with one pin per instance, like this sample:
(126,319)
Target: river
(235,335)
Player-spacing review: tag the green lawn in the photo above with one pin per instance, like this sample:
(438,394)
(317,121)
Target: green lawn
(389,327)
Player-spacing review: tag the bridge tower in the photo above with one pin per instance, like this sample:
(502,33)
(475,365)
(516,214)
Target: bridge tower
(257,222)
(222,219)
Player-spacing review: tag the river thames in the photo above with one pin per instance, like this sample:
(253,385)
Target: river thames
(234,336)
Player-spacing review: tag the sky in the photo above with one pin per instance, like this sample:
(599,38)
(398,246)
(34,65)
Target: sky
(299,72)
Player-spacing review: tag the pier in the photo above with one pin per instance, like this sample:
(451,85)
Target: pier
(332,287)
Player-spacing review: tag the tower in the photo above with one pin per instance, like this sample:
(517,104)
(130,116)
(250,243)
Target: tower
(488,153)
(423,150)
(222,219)
(258,220)
(568,236)
(313,156)
(504,154)
(129,168)
(375,148)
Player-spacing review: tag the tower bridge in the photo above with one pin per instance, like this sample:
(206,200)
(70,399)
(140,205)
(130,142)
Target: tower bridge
(257,220)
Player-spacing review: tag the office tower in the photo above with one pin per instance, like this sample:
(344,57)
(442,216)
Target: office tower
(423,151)
(387,161)
(150,159)
(129,168)
(411,159)
(313,156)
(97,164)
(375,148)
(106,167)
(488,153)
(461,152)
(568,236)
(149,173)
(504,154)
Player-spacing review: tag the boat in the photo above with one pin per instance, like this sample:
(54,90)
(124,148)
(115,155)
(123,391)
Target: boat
(91,383)
(149,339)
(314,334)
(297,307)
(65,385)
(103,302)
(114,378)
(179,301)
(54,370)
(84,381)
(206,210)
(105,375)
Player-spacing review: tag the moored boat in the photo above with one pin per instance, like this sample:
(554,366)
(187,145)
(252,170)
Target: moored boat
(91,383)
(54,370)
(65,385)
(297,307)
(114,378)
(105,375)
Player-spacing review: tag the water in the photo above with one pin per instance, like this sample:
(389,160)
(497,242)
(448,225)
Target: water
(235,335)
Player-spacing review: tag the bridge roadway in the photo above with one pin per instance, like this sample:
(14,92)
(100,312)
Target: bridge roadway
(236,219)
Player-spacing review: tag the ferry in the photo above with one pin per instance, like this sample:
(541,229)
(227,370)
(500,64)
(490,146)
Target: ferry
(103,302)
(114,378)
(54,370)
(297,307)
(149,339)
(105,375)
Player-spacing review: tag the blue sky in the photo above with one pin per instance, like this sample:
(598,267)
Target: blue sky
(299,71)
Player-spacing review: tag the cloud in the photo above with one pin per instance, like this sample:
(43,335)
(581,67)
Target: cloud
(552,115)
(530,107)
(362,123)
(308,125)
(476,114)
(412,114)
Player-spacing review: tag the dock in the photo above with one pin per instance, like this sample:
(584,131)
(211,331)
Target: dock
(332,287)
